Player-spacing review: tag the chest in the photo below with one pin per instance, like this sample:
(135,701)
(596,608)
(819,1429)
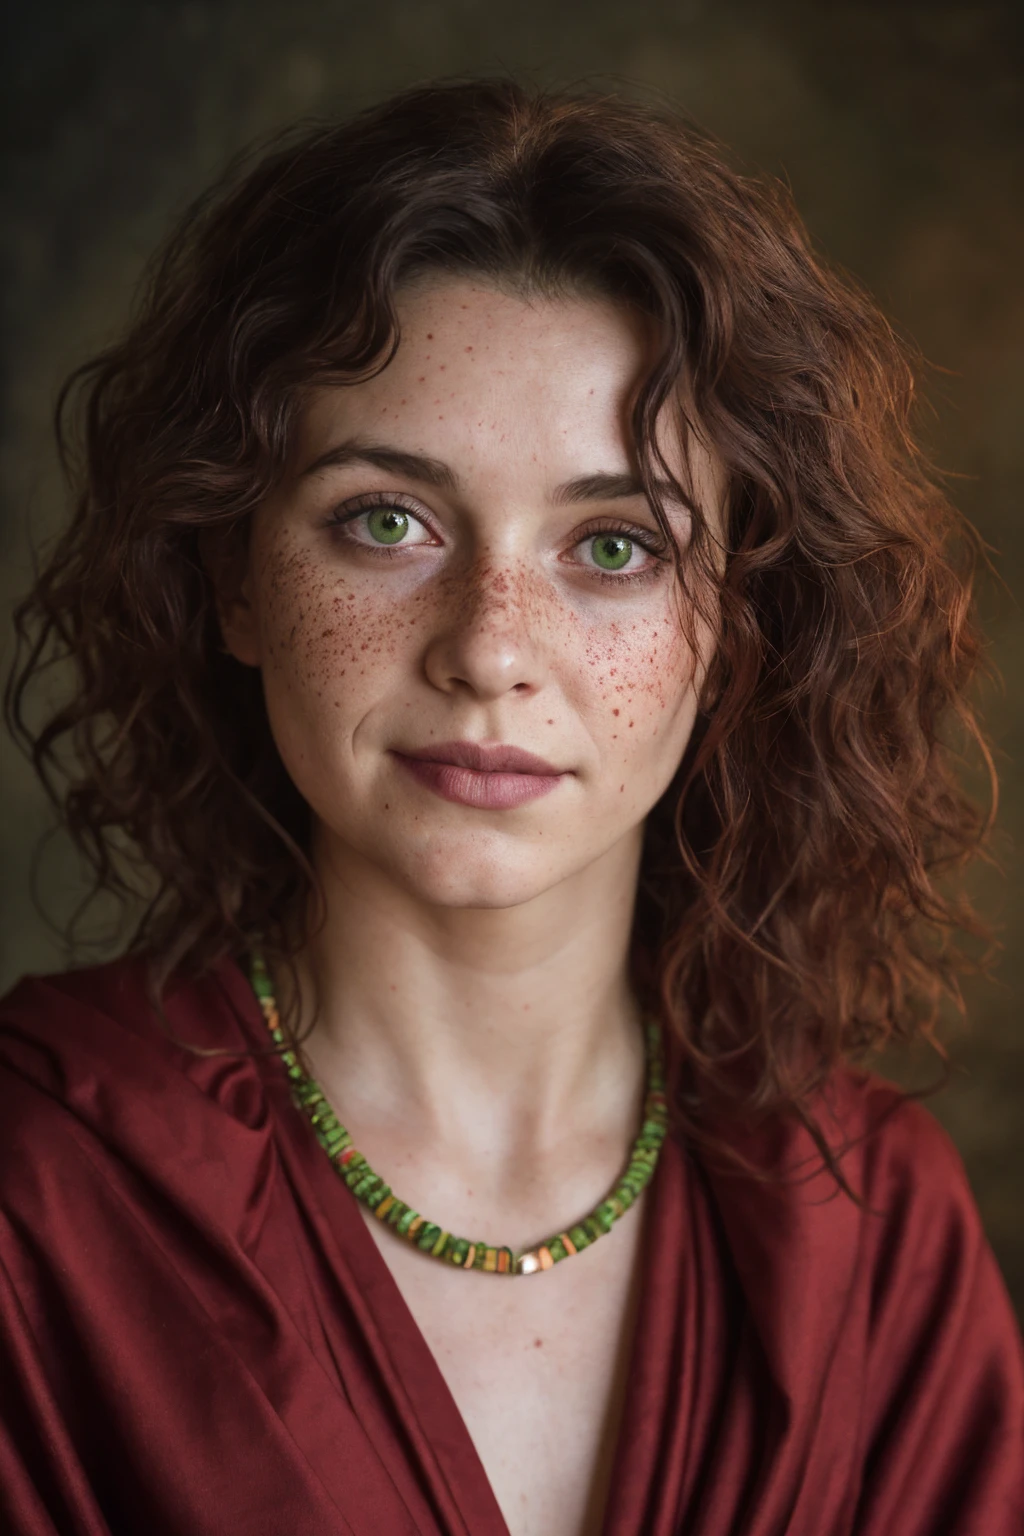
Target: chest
(537,1366)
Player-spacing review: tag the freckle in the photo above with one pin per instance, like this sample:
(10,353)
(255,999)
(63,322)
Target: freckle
(550,722)
(430,335)
(422,379)
(386,806)
(631,725)
(621,788)
(469,349)
(538,1343)
(526,1007)
(393,987)
(614,711)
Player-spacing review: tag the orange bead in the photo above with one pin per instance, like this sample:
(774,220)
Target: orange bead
(546,1261)
(470,1256)
(568,1244)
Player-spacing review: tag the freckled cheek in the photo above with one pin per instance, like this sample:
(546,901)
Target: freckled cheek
(640,682)
(323,640)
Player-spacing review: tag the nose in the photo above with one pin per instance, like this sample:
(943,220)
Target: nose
(489,638)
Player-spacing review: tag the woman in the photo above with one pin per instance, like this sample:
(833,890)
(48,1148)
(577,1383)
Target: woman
(511,629)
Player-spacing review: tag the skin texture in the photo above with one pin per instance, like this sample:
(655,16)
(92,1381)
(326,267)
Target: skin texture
(476,1030)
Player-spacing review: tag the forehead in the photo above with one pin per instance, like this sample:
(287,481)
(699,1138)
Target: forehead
(475,364)
(505,387)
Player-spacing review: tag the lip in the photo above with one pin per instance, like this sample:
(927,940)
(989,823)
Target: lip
(483,758)
(490,777)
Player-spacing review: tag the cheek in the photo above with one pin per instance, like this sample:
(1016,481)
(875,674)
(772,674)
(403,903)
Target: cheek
(640,677)
(322,632)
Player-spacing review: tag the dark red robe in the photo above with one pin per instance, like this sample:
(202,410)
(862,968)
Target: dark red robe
(199,1336)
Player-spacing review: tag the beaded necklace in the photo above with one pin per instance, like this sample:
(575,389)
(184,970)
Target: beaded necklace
(427,1236)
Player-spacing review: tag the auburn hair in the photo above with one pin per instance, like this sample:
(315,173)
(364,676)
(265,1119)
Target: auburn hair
(788,917)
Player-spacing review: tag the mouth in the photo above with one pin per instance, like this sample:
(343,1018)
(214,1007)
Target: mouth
(489,777)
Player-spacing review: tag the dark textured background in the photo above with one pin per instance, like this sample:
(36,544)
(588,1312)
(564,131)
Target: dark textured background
(900,128)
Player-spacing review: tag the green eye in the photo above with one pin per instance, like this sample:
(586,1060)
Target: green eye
(387,525)
(612,551)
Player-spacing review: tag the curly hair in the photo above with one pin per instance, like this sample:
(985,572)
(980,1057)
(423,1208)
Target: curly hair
(789,916)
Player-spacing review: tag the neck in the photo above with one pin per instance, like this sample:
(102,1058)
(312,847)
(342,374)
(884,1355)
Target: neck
(521,1016)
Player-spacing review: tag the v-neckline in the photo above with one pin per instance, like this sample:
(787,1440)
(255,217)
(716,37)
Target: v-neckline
(409,1356)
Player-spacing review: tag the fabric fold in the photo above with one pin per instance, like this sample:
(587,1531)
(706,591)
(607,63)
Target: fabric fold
(198,1333)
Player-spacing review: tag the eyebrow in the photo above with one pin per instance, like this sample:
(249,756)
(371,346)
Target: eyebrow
(419,466)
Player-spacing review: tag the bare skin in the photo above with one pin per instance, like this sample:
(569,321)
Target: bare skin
(476,1029)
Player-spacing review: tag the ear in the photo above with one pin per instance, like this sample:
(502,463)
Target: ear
(226,563)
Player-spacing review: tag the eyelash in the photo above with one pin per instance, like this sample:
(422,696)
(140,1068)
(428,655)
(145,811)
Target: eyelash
(350,510)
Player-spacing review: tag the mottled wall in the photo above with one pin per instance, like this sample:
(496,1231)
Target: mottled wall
(899,127)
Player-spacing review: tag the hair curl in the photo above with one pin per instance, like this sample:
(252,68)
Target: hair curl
(788,916)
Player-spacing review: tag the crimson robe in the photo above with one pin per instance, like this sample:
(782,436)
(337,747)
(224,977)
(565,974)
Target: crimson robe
(198,1334)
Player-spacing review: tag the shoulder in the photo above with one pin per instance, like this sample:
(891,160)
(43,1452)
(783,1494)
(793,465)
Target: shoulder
(891,1150)
(52,1026)
(896,1145)
(885,1319)
(925,1253)
(919,1206)
(96,1086)
(909,1253)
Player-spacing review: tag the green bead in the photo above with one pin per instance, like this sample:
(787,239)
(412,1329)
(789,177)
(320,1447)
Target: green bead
(428,1235)
(556,1248)
(579,1237)
(406,1220)
(458,1250)
(397,1211)
(375,1196)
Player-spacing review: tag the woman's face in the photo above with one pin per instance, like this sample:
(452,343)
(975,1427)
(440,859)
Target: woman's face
(459,555)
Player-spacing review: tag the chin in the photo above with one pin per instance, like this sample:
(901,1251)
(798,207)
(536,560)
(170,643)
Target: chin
(446,879)
(446,868)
